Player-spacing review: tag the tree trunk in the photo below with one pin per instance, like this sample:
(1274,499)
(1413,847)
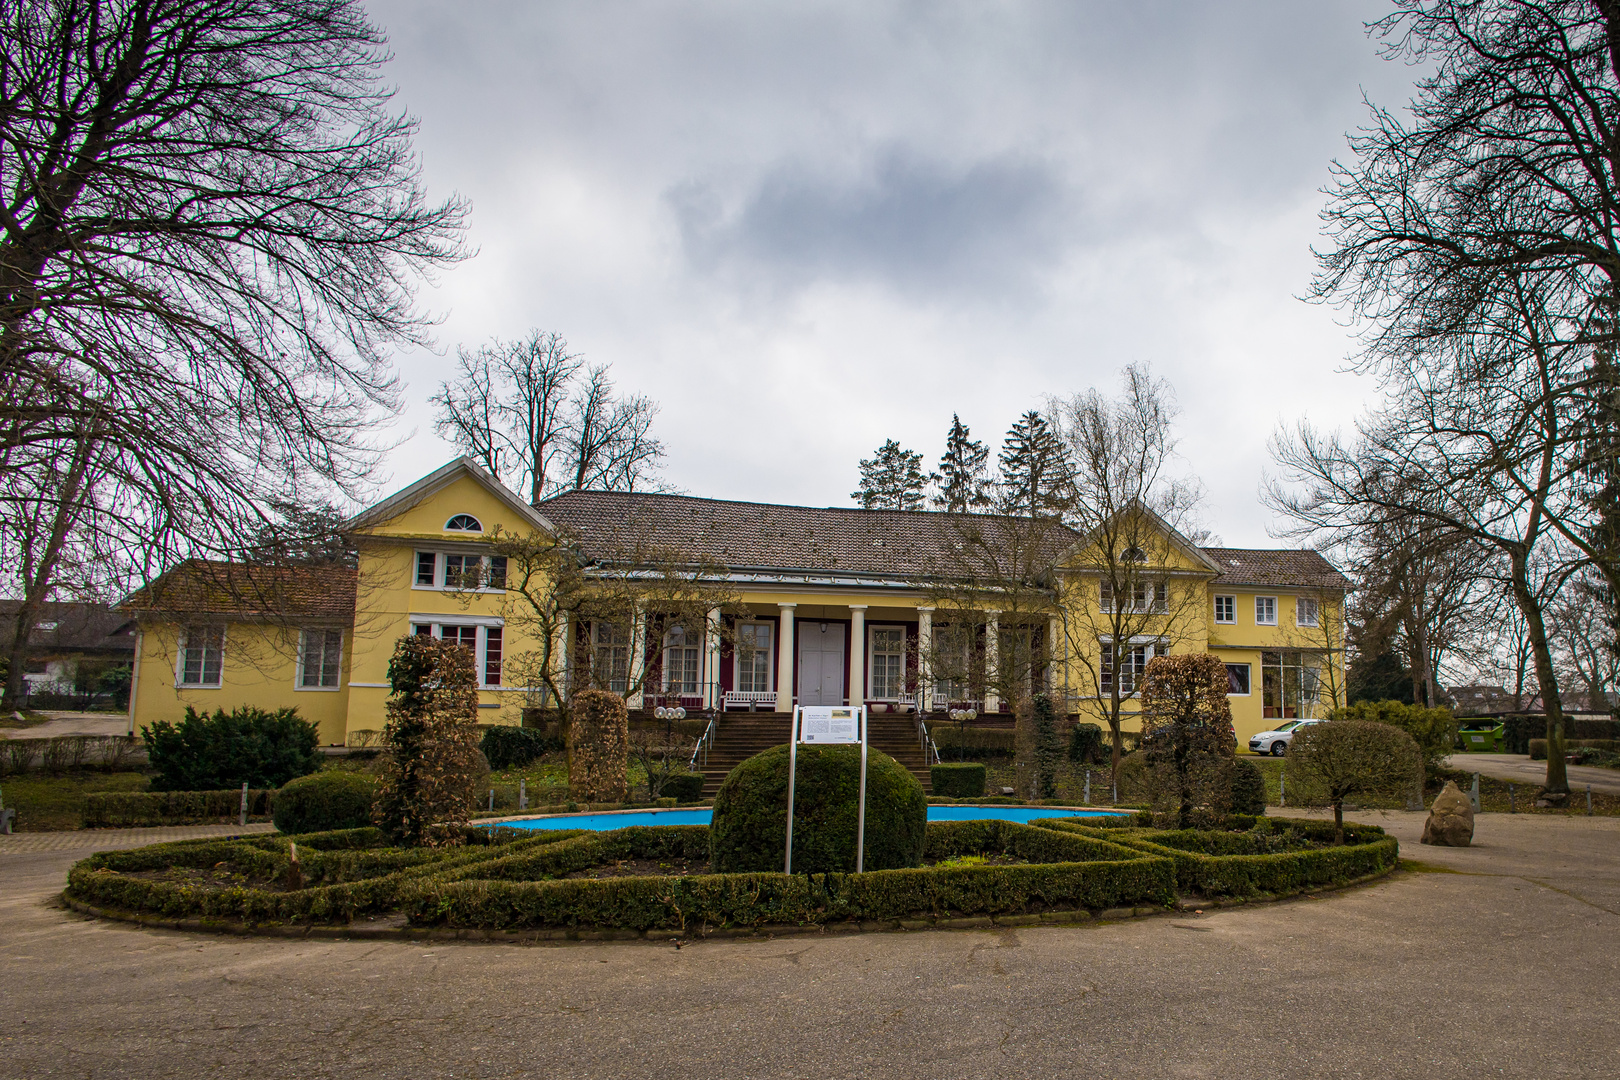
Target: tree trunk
(1557,787)
(1338,821)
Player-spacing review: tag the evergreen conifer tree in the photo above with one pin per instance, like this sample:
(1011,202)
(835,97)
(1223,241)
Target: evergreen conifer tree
(892,479)
(961,480)
(1033,467)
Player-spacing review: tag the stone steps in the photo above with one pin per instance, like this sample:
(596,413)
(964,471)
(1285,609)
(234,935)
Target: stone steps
(742,735)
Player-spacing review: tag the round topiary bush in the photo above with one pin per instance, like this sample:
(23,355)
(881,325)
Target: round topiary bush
(336,799)
(749,829)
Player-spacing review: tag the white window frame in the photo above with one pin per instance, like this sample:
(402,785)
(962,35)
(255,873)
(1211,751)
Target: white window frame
(1231,607)
(1315,620)
(1151,644)
(180,659)
(470,517)
(303,647)
(441,572)
(1248,678)
(629,647)
(1268,618)
(686,644)
(436,623)
(769,651)
(870,689)
(1155,597)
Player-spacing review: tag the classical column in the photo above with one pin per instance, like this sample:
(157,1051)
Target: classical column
(992,661)
(562,655)
(1057,670)
(784,659)
(857,654)
(638,657)
(711,659)
(925,644)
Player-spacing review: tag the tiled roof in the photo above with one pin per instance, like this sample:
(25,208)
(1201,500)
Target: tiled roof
(1278,567)
(73,627)
(743,536)
(245,590)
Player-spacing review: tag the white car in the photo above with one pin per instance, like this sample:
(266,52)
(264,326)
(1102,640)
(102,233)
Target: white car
(1276,742)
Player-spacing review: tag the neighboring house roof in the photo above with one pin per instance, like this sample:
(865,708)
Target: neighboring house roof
(73,627)
(245,590)
(745,536)
(1275,568)
(438,480)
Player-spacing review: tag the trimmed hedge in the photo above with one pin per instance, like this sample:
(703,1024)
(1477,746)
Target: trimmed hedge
(507,747)
(958,780)
(126,809)
(1517,731)
(683,786)
(336,799)
(1214,863)
(749,829)
(1538,747)
(1086,744)
(1248,787)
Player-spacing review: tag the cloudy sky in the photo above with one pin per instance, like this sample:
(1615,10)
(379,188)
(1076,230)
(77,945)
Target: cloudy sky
(804,229)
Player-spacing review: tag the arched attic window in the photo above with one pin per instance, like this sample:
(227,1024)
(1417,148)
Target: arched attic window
(463,523)
(1134,554)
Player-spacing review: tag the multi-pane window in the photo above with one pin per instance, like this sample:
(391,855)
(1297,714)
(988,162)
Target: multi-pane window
(888,662)
(1291,684)
(1305,611)
(1134,658)
(1237,678)
(610,656)
(463,523)
(202,656)
(954,663)
(1226,609)
(485,643)
(1145,596)
(456,571)
(682,661)
(754,658)
(320,659)
(1265,611)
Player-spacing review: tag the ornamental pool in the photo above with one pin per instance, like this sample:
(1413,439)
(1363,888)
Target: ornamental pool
(700,815)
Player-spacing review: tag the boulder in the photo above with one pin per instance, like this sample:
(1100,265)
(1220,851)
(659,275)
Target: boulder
(1451,819)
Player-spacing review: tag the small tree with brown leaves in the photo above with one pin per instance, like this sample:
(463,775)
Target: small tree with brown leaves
(1187,738)
(598,747)
(1340,759)
(430,743)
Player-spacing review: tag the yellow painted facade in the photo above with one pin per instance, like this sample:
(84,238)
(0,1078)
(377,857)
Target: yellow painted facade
(410,542)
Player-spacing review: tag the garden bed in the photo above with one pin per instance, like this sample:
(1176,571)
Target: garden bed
(651,880)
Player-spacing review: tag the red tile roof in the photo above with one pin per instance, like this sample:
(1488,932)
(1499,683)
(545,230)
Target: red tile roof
(1269,568)
(246,590)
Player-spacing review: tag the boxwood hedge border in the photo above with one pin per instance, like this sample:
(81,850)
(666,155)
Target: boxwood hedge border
(1076,873)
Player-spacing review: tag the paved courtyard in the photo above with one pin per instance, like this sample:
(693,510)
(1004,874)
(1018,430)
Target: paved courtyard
(1508,967)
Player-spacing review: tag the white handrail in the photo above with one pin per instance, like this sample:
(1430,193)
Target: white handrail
(705,741)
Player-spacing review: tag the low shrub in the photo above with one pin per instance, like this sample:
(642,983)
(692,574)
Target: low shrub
(683,786)
(228,749)
(129,809)
(749,830)
(1434,730)
(979,743)
(511,747)
(1248,788)
(1133,778)
(1538,747)
(1086,744)
(335,799)
(958,780)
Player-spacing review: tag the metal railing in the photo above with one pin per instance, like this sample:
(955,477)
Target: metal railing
(929,748)
(705,741)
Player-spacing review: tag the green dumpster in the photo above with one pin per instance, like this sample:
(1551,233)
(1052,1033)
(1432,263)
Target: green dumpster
(1481,738)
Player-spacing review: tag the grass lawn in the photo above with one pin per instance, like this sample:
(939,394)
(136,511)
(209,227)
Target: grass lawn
(29,719)
(53,803)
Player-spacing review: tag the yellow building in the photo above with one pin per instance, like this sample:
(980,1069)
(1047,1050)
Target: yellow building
(804,604)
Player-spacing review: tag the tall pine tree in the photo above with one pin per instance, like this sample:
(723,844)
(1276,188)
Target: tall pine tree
(1034,469)
(962,477)
(892,479)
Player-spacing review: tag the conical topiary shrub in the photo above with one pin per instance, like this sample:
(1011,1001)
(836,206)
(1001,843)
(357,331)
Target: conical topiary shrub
(749,830)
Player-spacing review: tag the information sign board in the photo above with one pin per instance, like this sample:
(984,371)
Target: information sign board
(828,724)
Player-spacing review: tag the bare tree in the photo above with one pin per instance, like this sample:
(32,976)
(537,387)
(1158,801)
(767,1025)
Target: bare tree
(209,236)
(1133,588)
(535,415)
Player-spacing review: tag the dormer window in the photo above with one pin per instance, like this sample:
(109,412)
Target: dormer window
(1134,554)
(463,523)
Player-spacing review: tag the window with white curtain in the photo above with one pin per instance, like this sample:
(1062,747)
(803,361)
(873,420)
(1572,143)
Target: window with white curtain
(888,662)
(202,656)
(320,659)
(682,661)
(753,657)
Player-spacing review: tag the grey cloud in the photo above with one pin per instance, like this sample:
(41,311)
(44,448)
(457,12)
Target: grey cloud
(915,224)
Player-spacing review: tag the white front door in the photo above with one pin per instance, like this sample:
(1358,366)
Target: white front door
(821,663)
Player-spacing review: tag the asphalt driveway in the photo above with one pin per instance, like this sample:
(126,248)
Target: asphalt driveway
(1509,966)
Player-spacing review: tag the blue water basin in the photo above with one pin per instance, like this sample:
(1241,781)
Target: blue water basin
(701,815)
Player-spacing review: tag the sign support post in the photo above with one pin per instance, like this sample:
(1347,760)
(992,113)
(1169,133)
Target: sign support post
(822,724)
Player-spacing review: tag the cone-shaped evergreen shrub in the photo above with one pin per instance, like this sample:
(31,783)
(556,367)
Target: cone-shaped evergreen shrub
(749,829)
